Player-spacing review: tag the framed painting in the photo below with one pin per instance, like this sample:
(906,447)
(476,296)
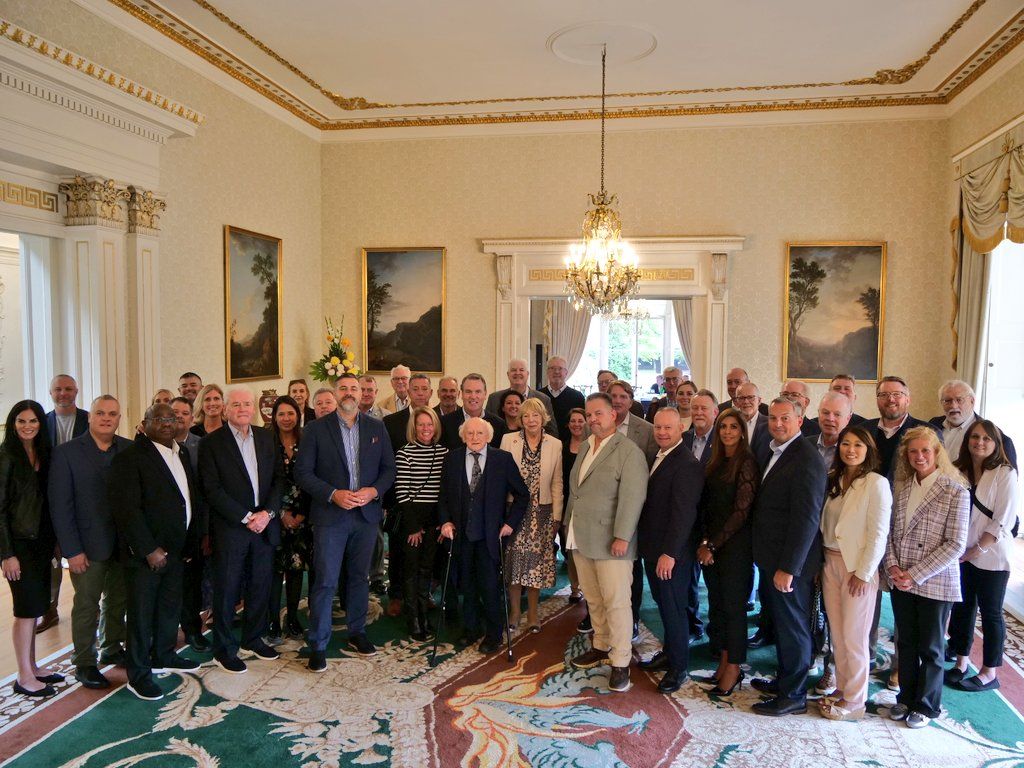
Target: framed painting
(835,310)
(252,305)
(403,309)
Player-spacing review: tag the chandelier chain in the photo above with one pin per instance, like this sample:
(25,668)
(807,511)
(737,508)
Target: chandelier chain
(604,56)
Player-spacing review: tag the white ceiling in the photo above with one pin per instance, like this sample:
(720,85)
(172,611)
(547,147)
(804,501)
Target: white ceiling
(420,61)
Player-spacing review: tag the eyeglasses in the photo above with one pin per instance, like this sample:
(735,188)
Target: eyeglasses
(891,395)
(165,420)
(791,394)
(744,399)
(947,401)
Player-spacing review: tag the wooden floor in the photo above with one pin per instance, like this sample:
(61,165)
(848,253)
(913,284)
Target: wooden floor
(52,640)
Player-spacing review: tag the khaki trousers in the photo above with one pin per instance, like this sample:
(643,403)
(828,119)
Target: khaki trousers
(849,619)
(606,585)
(101,599)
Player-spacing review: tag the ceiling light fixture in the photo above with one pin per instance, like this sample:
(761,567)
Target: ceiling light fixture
(602,273)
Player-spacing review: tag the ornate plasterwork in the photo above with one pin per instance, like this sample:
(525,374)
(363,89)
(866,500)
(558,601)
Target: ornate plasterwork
(719,275)
(758,98)
(144,209)
(30,197)
(72,60)
(93,201)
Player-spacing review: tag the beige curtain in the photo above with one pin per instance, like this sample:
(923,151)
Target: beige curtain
(682,310)
(565,332)
(1015,197)
(970,309)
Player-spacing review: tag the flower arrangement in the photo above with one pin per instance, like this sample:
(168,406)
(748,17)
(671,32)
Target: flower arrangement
(338,359)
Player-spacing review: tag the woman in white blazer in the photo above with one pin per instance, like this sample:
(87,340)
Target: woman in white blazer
(531,553)
(985,565)
(854,528)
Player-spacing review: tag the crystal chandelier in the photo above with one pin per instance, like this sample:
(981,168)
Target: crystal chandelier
(602,275)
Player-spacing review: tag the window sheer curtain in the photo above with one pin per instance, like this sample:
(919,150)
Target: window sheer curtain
(990,206)
(682,311)
(565,332)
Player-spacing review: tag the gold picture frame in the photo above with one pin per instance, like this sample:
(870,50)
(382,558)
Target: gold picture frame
(404,312)
(835,296)
(252,305)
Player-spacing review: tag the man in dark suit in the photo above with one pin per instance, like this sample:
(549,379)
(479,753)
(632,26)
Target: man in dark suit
(346,465)
(787,551)
(563,397)
(64,422)
(700,437)
(84,524)
(733,379)
(476,482)
(154,495)
(957,400)
(519,382)
(242,476)
(447,396)
(748,402)
(893,396)
(672,377)
(189,384)
(474,393)
(192,586)
(605,379)
(844,384)
(666,541)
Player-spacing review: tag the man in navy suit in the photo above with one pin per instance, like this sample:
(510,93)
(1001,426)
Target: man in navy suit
(665,540)
(474,393)
(699,438)
(892,394)
(346,465)
(476,483)
(747,401)
(787,551)
(242,476)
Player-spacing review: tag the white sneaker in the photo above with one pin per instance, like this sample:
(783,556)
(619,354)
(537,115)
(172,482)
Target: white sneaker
(827,683)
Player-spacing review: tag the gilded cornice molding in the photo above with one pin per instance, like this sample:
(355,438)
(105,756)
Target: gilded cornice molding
(94,200)
(159,18)
(30,197)
(72,60)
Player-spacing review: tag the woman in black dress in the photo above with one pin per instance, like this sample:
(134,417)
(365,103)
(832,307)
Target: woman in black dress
(27,540)
(577,426)
(293,556)
(725,548)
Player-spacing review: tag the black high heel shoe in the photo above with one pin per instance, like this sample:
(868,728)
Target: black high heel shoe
(720,692)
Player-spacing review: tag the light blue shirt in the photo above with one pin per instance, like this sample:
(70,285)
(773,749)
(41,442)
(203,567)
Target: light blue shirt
(469,462)
(828,452)
(777,450)
(247,447)
(699,443)
(350,441)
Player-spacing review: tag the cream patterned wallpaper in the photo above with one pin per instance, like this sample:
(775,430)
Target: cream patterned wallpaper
(872,181)
(996,105)
(243,168)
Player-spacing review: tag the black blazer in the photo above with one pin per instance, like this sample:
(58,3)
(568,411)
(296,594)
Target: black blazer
(654,406)
(1008,447)
(688,436)
(22,502)
(762,408)
(308,415)
(225,482)
(81,425)
(501,478)
(668,520)
(811,428)
(759,444)
(787,512)
(148,506)
(396,423)
(450,429)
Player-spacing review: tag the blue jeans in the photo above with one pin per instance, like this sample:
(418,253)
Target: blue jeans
(348,544)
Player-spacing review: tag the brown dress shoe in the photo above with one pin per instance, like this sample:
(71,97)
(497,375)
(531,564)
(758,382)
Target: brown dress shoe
(395,607)
(592,658)
(48,619)
(618,680)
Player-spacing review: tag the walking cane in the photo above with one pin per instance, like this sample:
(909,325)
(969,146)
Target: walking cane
(444,601)
(504,594)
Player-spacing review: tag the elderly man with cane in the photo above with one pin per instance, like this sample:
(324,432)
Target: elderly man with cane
(477,482)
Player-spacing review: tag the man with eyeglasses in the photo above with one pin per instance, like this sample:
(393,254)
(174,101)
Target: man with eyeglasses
(733,379)
(747,401)
(957,400)
(893,397)
(563,397)
(672,377)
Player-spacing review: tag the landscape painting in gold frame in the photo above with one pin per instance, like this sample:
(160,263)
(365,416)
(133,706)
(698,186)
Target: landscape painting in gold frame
(404,310)
(834,310)
(254,337)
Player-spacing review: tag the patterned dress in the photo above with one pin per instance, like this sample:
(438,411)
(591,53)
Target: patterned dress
(531,558)
(296,549)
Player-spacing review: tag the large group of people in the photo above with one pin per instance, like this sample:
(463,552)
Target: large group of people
(206,509)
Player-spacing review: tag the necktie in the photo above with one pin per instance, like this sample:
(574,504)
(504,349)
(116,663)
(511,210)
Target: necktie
(474,477)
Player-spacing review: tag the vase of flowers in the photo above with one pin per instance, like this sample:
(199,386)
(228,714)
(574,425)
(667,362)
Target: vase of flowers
(338,359)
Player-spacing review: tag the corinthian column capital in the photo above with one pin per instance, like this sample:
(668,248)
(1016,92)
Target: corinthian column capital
(144,209)
(93,200)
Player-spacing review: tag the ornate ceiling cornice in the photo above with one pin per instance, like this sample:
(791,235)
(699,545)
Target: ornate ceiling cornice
(175,28)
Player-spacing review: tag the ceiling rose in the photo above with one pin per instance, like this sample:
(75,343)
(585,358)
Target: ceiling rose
(584,43)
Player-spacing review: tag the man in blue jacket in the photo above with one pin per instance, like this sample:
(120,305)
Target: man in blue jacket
(346,465)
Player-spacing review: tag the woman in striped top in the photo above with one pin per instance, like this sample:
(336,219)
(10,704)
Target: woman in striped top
(417,487)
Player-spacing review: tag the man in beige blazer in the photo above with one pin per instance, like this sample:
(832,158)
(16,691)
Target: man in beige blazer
(399,397)
(607,487)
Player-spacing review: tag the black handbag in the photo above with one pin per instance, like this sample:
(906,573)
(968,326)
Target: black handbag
(392,522)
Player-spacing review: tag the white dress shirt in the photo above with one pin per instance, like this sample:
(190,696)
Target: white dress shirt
(570,535)
(750,424)
(469,462)
(777,451)
(997,491)
(890,431)
(621,428)
(247,446)
(662,454)
(173,459)
(953,437)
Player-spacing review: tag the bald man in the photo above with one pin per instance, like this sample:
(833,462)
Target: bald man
(563,397)
(519,381)
(733,379)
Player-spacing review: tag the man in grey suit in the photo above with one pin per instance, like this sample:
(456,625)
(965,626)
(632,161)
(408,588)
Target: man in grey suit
(633,427)
(84,523)
(607,488)
(519,381)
